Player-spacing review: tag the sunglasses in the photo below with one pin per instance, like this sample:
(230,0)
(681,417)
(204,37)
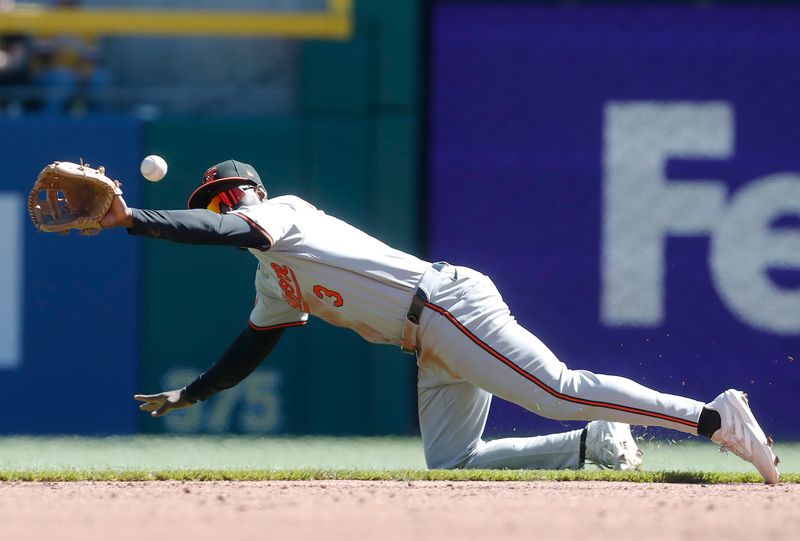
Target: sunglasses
(229,199)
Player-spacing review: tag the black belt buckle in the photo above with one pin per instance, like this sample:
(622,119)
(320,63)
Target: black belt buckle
(408,343)
(417,304)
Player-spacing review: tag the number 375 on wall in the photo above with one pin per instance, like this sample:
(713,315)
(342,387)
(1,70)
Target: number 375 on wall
(11,207)
(253,406)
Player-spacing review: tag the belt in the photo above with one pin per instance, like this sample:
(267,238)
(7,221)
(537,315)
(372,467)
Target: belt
(408,343)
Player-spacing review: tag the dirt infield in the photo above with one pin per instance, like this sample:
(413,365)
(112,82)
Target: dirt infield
(356,510)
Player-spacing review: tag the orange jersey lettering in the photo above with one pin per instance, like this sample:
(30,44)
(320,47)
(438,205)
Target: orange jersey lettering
(291,288)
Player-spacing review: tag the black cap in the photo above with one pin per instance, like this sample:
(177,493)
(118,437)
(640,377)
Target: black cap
(227,174)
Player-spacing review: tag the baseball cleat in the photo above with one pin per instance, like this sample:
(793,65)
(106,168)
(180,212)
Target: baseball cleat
(741,434)
(611,445)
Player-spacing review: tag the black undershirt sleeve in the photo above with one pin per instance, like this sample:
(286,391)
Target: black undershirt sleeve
(242,357)
(197,226)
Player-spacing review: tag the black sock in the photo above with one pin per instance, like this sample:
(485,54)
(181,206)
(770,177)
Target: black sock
(709,422)
(582,452)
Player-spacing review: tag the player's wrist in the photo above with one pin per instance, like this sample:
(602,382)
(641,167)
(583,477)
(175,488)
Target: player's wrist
(127,220)
(197,391)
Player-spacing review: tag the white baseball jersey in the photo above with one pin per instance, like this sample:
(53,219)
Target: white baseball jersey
(320,265)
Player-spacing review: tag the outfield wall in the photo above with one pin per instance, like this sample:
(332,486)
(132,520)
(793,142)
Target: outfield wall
(628,176)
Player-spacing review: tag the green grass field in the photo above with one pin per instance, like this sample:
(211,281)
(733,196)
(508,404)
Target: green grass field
(278,458)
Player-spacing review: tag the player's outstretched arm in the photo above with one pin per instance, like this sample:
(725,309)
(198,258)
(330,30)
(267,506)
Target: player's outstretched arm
(239,361)
(198,226)
(195,226)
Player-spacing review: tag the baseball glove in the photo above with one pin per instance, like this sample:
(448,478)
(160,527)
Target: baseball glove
(70,196)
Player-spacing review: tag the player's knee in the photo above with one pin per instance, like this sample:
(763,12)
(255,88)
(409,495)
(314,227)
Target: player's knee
(445,463)
(447,459)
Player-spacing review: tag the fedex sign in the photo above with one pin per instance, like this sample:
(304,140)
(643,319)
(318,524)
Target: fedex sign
(641,208)
(630,179)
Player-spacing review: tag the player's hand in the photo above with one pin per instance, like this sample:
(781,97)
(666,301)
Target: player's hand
(161,403)
(119,215)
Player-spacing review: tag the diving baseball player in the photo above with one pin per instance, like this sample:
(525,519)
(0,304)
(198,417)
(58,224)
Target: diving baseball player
(467,344)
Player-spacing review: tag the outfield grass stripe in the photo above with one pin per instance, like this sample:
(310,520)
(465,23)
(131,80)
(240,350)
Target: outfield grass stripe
(384,475)
(144,458)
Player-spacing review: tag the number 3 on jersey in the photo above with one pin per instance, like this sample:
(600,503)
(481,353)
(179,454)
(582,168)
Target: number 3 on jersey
(321,292)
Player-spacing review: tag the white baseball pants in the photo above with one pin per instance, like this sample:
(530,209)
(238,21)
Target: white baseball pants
(471,347)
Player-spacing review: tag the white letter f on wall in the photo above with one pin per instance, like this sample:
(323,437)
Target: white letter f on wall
(641,207)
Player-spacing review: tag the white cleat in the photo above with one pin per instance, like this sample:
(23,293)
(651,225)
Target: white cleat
(611,445)
(741,434)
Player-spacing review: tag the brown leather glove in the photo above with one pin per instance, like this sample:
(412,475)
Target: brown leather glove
(70,196)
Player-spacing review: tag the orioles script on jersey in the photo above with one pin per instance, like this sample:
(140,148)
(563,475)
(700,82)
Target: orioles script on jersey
(291,288)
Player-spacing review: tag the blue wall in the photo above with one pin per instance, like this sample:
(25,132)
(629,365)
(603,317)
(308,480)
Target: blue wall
(630,177)
(74,367)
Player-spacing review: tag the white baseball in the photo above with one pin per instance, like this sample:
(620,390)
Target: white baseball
(153,168)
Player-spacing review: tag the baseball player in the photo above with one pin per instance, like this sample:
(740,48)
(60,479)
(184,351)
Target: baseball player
(467,344)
